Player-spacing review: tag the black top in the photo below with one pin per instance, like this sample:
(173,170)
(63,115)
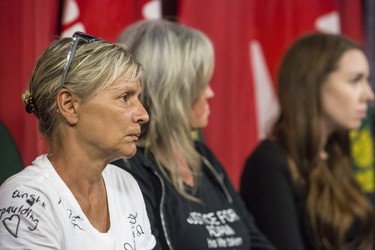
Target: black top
(276,203)
(219,221)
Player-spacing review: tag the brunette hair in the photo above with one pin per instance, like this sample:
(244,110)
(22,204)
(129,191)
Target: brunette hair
(334,200)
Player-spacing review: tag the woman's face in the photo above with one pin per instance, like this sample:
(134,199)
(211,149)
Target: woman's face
(109,124)
(346,93)
(201,110)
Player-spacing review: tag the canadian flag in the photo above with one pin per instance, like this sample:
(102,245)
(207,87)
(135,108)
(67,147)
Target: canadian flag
(250,38)
(106,18)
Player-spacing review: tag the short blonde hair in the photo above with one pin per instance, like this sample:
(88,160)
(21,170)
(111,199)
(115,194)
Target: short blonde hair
(95,66)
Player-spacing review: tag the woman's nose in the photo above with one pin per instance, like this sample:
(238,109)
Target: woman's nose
(141,115)
(209,93)
(369,93)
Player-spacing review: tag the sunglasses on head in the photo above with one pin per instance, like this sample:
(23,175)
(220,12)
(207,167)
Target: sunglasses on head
(77,38)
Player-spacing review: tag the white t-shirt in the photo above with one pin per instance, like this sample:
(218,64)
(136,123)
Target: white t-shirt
(38,211)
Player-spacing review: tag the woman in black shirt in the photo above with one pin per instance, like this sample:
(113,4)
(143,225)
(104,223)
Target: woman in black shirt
(298,183)
(190,200)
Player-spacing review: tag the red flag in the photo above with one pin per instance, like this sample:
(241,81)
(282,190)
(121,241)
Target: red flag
(106,18)
(27,27)
(249,38)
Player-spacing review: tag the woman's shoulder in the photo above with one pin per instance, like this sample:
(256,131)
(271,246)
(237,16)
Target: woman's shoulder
(208,157)
(206,152)
(25,184)
(139,167)
(202,148)
(267,145)
(37,176)
(267,156)
(117,176)
(268,150)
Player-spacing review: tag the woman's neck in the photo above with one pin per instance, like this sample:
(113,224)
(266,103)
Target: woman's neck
(87,185)
(186,174)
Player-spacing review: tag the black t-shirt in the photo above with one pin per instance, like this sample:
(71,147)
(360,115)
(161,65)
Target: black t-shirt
(219,221)
(277,204)
(269,193)
(210,224)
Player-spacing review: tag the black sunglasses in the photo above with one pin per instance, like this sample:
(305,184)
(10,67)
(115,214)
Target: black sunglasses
(77,37)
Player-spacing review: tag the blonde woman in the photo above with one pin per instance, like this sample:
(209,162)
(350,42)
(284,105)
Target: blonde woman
(190,200)
(85,94)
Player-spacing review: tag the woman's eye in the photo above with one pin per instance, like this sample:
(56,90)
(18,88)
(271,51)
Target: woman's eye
(357,79)
(125,97)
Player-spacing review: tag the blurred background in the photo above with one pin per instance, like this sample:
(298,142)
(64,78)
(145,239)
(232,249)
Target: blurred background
(249,36)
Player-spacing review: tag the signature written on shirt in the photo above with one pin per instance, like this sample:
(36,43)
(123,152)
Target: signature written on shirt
(10,216)
(137,231)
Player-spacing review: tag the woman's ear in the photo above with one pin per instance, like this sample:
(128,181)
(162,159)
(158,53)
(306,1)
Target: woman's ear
(68,105)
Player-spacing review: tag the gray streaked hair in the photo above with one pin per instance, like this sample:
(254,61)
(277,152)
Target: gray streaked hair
(178,62)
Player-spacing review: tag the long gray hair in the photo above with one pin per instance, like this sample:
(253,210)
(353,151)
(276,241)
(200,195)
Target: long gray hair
(178,63)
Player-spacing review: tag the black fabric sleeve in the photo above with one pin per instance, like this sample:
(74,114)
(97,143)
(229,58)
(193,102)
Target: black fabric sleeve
(267,190)
(151,194)
(257,238)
